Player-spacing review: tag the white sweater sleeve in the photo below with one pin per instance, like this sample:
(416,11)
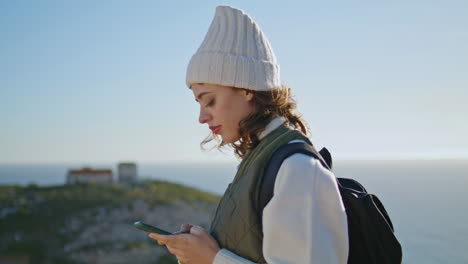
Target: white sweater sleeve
(305,221)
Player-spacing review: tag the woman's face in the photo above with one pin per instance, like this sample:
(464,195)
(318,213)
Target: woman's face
(222,108)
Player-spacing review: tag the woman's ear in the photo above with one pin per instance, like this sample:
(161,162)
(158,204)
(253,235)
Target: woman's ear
(248,95)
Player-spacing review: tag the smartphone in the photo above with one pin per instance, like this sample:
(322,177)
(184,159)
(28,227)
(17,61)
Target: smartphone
(149,228)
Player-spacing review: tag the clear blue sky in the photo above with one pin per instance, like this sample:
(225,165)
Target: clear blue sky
(103,81)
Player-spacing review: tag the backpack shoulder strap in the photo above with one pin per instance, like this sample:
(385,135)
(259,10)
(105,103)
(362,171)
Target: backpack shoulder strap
(268,182)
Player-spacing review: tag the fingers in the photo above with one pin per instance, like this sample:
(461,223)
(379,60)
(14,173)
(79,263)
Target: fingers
(175,251)
(169,240)
(162,239)
(196,230)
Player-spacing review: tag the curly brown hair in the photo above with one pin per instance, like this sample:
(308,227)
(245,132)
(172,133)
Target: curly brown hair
(268,105)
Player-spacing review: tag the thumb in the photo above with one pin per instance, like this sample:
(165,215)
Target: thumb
(196,230)
(185,227)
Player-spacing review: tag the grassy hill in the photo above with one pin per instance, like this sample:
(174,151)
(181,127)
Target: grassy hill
(92,223)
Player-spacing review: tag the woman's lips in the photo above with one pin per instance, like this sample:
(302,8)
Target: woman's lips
(215,129)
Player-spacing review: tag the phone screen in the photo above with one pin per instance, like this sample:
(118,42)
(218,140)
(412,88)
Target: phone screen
(149,228)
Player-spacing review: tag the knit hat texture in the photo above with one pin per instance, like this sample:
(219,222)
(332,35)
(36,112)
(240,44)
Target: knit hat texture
(235,52)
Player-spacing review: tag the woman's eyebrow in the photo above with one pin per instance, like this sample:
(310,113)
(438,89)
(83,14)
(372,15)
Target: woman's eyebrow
(201,95)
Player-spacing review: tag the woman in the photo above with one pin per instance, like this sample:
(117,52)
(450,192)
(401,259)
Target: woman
(235,79)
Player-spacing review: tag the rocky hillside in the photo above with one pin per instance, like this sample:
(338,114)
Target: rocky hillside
(93,223)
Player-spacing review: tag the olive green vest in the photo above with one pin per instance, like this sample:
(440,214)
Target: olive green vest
(236,224)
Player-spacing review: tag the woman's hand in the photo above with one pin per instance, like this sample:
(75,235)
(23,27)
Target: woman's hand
(195,246)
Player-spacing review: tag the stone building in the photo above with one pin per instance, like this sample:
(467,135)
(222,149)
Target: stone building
(127,172)
(88,175)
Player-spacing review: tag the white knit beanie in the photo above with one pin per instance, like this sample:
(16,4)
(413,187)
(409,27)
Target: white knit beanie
(235,52)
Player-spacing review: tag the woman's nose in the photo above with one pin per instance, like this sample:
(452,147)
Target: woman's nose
(204,117)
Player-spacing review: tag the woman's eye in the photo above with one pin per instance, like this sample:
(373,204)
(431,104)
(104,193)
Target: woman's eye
(210,103)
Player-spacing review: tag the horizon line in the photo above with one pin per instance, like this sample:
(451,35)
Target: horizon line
(221,162)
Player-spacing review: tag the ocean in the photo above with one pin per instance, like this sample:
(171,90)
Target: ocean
(426,200)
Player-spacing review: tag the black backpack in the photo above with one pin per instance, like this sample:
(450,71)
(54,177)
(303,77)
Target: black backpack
(370,230)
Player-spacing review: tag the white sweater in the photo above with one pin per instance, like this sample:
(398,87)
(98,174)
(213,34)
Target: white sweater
(305,221)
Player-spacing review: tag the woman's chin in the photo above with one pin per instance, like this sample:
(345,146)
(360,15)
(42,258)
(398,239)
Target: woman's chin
(228,140)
